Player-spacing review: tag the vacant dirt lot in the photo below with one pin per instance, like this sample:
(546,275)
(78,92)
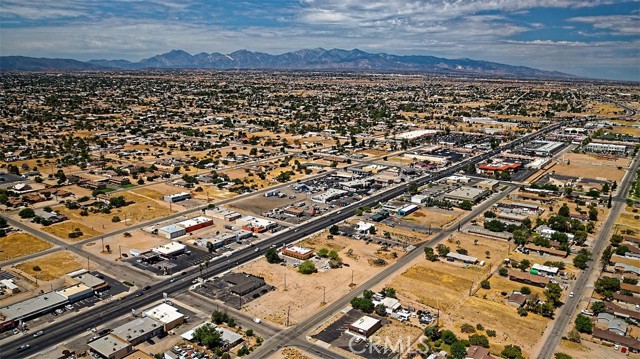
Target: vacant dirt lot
(434,217)
(63,229)
(139,240)
(52,266)
(590,350)
(304,294)
(20,244)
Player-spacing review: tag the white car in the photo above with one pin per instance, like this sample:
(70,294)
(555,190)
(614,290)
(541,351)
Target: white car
(257,320)
(571,295)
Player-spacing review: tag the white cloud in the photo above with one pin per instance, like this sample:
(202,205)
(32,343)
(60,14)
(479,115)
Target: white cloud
(618,24)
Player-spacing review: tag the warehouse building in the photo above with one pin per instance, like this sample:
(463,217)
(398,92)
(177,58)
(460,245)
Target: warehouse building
(364,327)
(452,256)
(173,198)
(408,209)
(224,214)
(172,231)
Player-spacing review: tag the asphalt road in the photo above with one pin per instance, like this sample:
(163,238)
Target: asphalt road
(566,313)
(66,329)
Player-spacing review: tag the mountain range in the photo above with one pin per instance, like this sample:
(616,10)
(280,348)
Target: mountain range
(306,59)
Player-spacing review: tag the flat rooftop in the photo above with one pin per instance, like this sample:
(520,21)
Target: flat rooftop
(33,305)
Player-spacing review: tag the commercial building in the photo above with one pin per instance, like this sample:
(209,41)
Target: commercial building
(139,330)
(364,227)
(177,197)
(271,193)
(465,193)
(168,316)
(606,148)
(76,292)
(172,231)
(408,209)
(490,168)
(255,224)
(364,326)
(297,252)
(111,347)
(329,195)
(196,223)
(420,199)
(170,249)
(30,308)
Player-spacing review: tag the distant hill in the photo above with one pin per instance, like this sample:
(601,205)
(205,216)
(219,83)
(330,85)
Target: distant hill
(24,63)
(306,59)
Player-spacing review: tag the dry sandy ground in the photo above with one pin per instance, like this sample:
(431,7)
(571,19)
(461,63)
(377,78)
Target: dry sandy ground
(591,166)
(435,217)
(63,229)
(20,244)
(304,294)
(139,240)
(590,350)
(292,353)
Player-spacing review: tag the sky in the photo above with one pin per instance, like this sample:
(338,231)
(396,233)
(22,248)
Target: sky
(590,38)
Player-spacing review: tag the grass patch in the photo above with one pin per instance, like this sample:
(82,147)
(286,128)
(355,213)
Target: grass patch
(130,185)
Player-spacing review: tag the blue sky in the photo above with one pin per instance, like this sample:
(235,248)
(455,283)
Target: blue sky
(592,38)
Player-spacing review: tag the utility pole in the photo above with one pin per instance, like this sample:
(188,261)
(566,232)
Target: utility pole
(120,250)
(288,312)
(324,295)
(102,240)
(88,268)
(285,282)
(351,277)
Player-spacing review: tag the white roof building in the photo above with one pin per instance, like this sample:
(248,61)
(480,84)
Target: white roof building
(169,249)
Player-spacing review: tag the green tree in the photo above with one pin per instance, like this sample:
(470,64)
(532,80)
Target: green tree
(448,337)
(432,332)
(27,213)
(458,350)
(485,284)
(381,310)
(583,324)
(564,211)
(581,259)
(552,292)
(323,252)
(364,304)
(208,336)
(503,271)
(429,254)
(334,230)
(512,352)
(598,307)
(562,356)
(479,339)
(3,222)
(412,188)
(307,267)
(272,256)
(442,250)
(466,205)
(525,290)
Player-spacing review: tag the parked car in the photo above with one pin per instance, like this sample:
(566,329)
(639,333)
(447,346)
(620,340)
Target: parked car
(38,333)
